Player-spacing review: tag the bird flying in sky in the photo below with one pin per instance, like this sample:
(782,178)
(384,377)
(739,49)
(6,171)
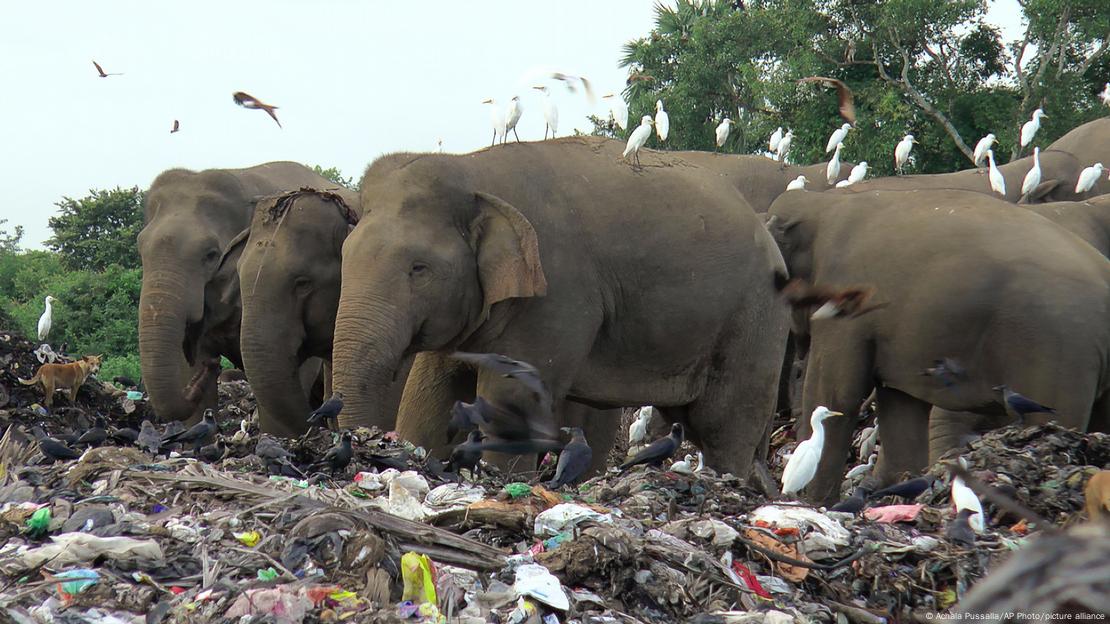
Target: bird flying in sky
(103,74)
(247,100)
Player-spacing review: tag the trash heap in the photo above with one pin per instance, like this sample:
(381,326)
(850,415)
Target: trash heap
(121,535)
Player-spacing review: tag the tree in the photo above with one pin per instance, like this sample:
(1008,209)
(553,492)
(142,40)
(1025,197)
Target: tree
(9,241)
(932,68)
(99,230)
(335,175)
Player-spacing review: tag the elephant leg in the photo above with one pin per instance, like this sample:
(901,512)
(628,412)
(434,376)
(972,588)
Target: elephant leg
(950,430)
(434,383)
(742,383)
(903,434)
(327,378)
(839,377)
(1100,415)
(600,426)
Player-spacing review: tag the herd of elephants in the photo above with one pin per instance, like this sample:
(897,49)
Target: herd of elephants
(629,286)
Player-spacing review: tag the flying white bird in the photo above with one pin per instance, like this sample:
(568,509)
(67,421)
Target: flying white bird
(637,431)
(964,498)
(684,466)
(1033,178)
(617,109)
(784,146)
(981,148)
(498,119)
(662,121)
(722,131)
(550,112)
(1105,95)
(512,116)
(837,137)
(998,183)
(570,80)
(701,463)
(1029,130)
(858,173)
(803,462)
(902,151)
(46,320)
(869,438)
(832,170)
(797,184)
(862,469)
(776,138)
(638,138)
(1087,179)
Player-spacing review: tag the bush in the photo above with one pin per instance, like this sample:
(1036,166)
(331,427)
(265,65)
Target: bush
(126,365)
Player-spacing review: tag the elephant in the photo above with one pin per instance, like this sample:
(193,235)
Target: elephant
(1059,173)
(1090,143)
(624,287)
(1089,220)
(189,309)
(759,179)
(962,276)
(287,267)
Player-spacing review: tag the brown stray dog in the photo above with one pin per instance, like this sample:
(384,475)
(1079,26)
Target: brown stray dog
(1097,494)
(51,377)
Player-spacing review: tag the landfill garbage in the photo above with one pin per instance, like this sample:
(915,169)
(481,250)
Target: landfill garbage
(187,541)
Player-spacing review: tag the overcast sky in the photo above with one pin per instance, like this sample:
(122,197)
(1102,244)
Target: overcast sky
(354,79)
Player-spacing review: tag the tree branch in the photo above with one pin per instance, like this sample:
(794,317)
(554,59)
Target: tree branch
(1086,64)
(1044,60)
(917,97)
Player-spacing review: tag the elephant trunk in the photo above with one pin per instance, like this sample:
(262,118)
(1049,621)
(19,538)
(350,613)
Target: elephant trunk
(270,357)
(371,336)
(162,323)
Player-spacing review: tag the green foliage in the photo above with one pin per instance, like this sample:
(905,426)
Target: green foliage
(97,231)
(932,68)
(9,241)
(335,175)
(125,365)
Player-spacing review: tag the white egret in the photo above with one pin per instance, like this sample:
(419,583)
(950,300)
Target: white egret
(637,431)
(858,173)
(1087,179)
(998,183)
(47,319)
(902,151)
(1033,178)
(981,148)
(684,466)
(843,184)
(832,170)
(498,119)
(797,184)
(802,465)
(784,146)
(776,138)
(964,498)
(723,130)
(701,463)
(662,121)
(638,138)
(512,116)
(569,80)
(837,137)
(862,469)
(1105,95)
(1029,130)
(550,112)
(617,109)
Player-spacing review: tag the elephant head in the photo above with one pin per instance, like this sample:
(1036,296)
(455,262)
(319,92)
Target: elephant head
(288,279)
(190,217)
(421,272)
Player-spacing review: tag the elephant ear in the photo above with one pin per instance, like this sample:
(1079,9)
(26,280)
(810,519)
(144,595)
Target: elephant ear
(226,278)
(1038,194)
(508,253)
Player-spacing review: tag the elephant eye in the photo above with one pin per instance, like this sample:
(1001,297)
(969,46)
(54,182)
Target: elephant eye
(302,282)
(418,268)
(212,256)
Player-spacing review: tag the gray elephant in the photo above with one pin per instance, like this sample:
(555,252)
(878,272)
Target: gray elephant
(1059,173)
(287,267)
(189,309)
(1089,220)
(1090,143)
(623,286)
(962,276)
(760,180)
